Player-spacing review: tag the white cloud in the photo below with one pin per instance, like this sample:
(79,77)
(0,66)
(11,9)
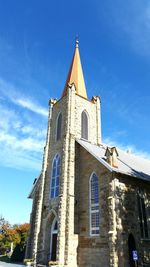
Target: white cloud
(18,159)
(32,131)
(12,93)
(130,148)
(22,137)
(21,143)
(15,143)
(26,103)
(20,153)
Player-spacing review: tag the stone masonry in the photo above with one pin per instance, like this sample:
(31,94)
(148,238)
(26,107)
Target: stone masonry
(118,205)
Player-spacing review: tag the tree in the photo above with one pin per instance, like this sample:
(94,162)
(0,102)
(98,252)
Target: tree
(8,234)
(19,251)
(16,234)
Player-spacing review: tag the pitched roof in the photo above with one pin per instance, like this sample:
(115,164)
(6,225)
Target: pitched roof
(34,187)
(75,75)
(128,164)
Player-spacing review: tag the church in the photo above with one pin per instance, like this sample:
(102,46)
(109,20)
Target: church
(91,202)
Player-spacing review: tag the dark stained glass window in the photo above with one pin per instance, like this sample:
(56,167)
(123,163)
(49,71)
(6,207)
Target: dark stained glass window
(94,205)
(142,215)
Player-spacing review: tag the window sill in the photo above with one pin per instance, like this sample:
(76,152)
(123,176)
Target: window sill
(95,236)
(85,140)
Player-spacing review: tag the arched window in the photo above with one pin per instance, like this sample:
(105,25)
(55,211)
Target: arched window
(55,177)
(94,205)
(131,248)
(84,125)
(53,240)
(58,127)
(142,214)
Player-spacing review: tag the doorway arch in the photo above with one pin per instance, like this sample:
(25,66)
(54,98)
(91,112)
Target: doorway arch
(131,247)
(53,240)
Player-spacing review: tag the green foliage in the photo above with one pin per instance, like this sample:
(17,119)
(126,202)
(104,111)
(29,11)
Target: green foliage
(4,236)
(18,253)
(16,234)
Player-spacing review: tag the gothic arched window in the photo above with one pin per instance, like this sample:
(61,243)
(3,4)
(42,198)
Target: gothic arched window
(58,127)
(54,189)
(53,240)
(94,205)
(84,125)
(142,214)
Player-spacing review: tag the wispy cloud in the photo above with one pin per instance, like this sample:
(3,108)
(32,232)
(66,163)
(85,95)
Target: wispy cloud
(127,148)
(18,159)
(22,137)
(25,144)
(21,145)
(12,93)
(26,103)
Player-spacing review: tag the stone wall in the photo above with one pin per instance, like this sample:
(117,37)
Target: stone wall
(127,218)
(119,215)
(93,111)
(92,251)
(71,107)
(118,197)
(33,221)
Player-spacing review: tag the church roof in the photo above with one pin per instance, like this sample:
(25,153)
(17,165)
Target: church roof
(128,163)
(75,75)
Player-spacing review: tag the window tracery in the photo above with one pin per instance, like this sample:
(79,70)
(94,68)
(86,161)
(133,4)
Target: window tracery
(94,205)
(55,176)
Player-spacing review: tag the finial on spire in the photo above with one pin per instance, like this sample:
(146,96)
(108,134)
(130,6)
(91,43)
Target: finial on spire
(75,75)
(77,42)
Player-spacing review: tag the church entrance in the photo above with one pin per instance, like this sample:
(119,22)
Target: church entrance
(131,247)
(53,244)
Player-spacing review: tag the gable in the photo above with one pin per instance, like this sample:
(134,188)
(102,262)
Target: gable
(128,164)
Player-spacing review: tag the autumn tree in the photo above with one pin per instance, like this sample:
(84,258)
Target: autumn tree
(8,235)
(19,251)
(16,234)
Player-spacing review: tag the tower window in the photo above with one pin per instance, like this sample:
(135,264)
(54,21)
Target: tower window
(58,127)
(84,125)
(142,215)
(54,190)
(94,206)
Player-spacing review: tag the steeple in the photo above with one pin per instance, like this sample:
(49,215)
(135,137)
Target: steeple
(75,74)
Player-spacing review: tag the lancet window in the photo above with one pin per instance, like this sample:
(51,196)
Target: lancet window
(94,206)
(58,127)
(142,215)
(55,177)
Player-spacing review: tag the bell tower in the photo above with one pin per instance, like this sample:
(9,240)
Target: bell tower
(71,117)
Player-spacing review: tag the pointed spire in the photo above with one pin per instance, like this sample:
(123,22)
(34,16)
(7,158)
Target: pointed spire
(77,42)
(75,74)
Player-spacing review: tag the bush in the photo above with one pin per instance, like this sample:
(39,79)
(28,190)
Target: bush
(18,253)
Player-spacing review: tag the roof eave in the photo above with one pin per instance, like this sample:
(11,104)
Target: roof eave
(110,168)
(31,194)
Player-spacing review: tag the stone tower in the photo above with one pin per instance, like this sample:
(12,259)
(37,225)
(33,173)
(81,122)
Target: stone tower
(53,233)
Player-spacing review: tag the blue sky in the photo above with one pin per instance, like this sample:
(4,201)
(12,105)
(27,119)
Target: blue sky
(36,47)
